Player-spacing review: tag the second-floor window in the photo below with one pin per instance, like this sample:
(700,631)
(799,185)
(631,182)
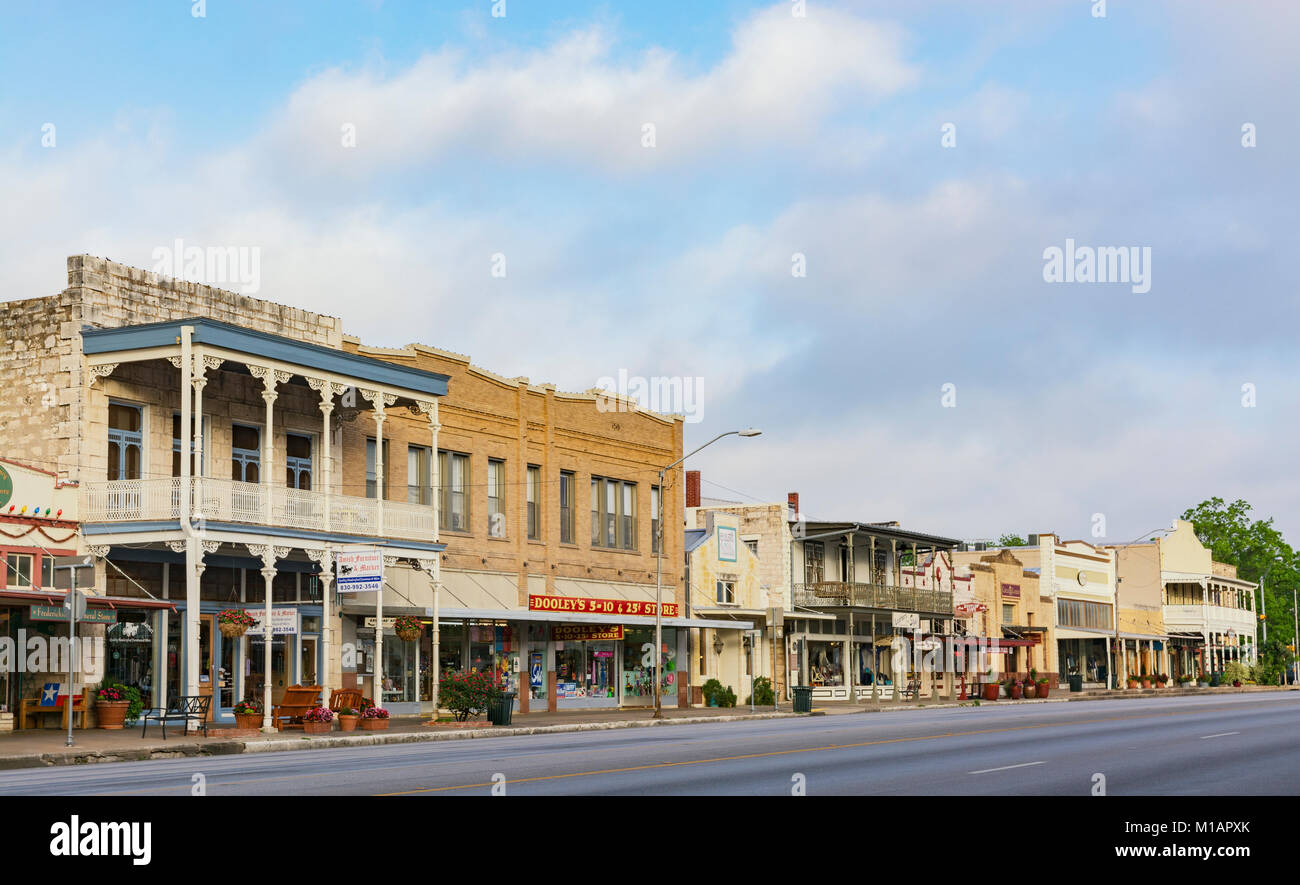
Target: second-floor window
(566,508)
(245,453)
(534,502)
(453,479)
(654,519)
(496,499)
(419,478)
(814,562)
(613,513)
(297,461)
(726,594)
(18,568)
(1008,613)
(125,441)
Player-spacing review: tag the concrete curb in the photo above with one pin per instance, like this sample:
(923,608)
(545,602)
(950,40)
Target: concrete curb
(280,745)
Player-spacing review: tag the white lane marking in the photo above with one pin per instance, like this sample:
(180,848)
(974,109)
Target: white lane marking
(1005,767)
(1219,735)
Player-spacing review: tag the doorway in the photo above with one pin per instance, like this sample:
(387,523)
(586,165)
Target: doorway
(255,667)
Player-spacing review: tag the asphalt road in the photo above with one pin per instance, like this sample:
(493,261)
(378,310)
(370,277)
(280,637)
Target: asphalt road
(1222,745)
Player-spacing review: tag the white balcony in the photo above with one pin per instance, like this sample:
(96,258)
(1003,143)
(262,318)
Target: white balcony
(225,500)
(1216,618)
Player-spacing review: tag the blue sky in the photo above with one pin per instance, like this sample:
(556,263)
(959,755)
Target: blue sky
(775,134)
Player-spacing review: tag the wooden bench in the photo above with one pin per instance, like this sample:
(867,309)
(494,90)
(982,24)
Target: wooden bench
(297,700)
(184,709)
(345,697)
(31,707)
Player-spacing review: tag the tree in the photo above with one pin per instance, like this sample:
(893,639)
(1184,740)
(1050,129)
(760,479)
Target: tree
(1010,540)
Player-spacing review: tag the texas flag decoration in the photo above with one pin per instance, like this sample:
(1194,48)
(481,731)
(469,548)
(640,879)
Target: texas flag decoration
(50,694)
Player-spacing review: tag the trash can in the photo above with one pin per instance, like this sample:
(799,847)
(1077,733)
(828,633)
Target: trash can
(803,698)
(1076,682)
(501,710)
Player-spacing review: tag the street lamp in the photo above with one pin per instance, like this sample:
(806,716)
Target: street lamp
(659,562)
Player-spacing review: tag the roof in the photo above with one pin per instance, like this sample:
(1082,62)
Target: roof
(252,341)
(695,537)
(886,530)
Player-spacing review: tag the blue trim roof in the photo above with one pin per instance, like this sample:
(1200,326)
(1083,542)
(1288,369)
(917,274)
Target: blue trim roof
(251,341)
(694,538)
(113,528)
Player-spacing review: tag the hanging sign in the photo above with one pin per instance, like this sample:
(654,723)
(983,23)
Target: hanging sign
(284,621)
(583,604)
(359,570)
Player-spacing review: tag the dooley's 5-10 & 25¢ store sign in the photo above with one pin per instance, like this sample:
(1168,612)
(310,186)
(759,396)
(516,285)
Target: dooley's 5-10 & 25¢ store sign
(583,605)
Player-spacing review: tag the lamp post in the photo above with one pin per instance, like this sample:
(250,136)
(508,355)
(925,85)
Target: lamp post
(1263,603)
(659,563)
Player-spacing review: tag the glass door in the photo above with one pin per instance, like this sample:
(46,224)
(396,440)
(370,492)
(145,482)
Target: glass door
(226,673)
(255,668)
(309,658)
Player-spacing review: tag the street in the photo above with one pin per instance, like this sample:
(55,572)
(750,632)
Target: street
(1219,745)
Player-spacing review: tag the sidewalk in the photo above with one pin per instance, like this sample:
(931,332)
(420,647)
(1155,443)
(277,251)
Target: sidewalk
(37,748)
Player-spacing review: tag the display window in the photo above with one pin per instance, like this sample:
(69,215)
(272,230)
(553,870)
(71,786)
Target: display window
(585,669)
(130,652)
(639,662)
(825,663)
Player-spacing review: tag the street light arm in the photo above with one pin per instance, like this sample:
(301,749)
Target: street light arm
(705,446)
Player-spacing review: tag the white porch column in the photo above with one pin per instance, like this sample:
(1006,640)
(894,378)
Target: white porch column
(432,567)
(268,554)
(327,390)
(379,400)
(270,379)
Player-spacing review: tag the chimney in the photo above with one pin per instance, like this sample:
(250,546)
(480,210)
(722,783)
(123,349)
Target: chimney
(692,488)
(792,504)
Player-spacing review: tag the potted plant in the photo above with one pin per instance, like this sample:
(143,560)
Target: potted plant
(348,719)
(234,622)
(1015,689)
(248,714)
(318,720)
(992,688)
(408,628)
(1161,680)
(1146,681)
(1043,687)
(1132,683)
(117,705)
(1031,689)
(374,719)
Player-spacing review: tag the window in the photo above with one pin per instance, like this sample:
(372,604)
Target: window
(1008,613)
(1077,613)
(419,479)
(496,499)
(752,544)
(566,508)
(814,562)
(245,453)
(374,485)
(19,569)
(534,502)
(195,469)
(47,571)
(654,519)
(726,592)
(453,503)
(613,513)
(125,441)
(297,461)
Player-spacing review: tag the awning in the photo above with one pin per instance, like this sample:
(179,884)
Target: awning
(56,597)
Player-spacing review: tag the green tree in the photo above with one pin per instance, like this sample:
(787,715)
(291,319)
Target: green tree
(1010,540)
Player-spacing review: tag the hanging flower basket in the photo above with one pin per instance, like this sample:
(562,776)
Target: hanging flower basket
(408,628)
(234,622)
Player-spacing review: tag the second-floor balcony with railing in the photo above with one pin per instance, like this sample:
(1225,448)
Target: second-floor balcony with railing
(231,501)
(852,594)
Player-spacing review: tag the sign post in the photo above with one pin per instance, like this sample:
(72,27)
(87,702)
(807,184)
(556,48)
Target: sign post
(75,604)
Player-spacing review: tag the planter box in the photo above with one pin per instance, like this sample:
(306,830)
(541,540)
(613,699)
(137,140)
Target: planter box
(382,724)
(6,722)
(318,727)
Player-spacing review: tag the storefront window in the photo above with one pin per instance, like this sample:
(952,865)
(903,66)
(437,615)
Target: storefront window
(638,662)
(399,669)
(825,663)
(493,649)
(451,647)
(130,652)
(174,655)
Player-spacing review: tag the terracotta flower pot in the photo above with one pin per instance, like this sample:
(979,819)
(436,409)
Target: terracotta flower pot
(991,689)
(1146,683)
(248,720)
(348,723)
(1017,691)
(1043,688)
(377,724)
(1132,683)
(112,714)
(317,727)
(1031,690)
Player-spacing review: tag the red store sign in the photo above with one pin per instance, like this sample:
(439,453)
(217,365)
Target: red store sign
(583,605)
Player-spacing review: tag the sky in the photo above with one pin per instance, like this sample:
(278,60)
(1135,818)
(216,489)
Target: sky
(830,219)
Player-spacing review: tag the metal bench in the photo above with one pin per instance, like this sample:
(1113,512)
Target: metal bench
(184,709)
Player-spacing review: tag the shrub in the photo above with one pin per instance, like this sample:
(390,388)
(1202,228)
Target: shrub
(117,691)
(466,694)
(712,689)
(346,711)
(727,697)
(763,694)
(1235,671)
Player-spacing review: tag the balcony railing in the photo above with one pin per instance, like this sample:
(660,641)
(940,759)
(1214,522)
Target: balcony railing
(226,500)
(833,594)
